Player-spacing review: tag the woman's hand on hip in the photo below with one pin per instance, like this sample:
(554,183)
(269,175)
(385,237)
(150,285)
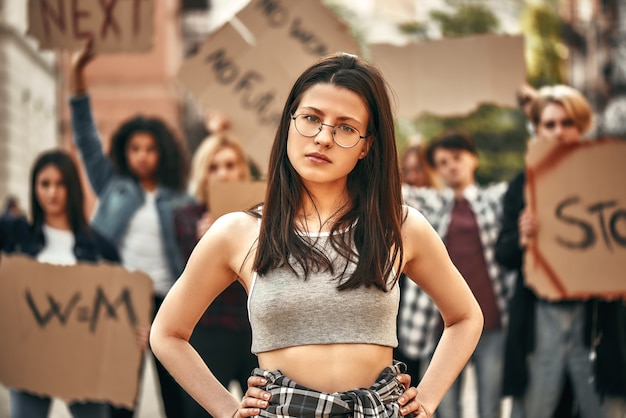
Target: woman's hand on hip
(254,399)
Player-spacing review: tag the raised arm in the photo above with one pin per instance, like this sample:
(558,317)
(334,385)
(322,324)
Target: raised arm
(214,264)
(99,168)
(427,263)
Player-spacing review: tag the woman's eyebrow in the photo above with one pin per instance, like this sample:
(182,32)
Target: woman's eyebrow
(340,118)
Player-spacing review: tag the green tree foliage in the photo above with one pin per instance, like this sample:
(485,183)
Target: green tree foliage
(415,29)
(545,51)
(468,19)
(499,134)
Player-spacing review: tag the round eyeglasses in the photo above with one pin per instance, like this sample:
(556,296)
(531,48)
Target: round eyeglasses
(344,135)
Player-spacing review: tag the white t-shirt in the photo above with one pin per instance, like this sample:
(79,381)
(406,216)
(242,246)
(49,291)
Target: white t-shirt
(142,246)
(59,248)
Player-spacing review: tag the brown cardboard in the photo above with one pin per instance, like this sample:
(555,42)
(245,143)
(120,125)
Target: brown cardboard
(86,350)
(226,197)
(577,194)
(453,76)
(248,77)
(115,26)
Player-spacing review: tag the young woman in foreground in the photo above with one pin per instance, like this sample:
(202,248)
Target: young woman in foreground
(320,261)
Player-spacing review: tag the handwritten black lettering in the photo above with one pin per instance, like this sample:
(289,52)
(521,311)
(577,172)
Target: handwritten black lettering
(599,207)
(608,221)
(77,15)
(102,306)
(47,14)
(54,311)
(83,314)
(276,14)
(245,82)
(619,238)
(309,40)
(261,106)
(225,70)
(109,20)
(101,302)
(589,237)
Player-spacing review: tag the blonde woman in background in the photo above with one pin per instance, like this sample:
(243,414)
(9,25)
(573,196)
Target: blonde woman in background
(222,337)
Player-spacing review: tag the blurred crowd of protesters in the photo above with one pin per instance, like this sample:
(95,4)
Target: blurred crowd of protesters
(222,336)
(555,359)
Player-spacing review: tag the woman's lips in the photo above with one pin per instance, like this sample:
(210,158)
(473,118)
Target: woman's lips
(318,158)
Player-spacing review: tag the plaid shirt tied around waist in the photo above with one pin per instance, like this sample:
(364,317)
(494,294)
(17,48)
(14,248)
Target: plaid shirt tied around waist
(290,399)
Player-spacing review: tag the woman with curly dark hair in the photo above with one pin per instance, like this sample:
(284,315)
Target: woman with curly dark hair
(138,187)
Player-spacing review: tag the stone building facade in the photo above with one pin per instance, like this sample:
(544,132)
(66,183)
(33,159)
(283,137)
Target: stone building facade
(28,101)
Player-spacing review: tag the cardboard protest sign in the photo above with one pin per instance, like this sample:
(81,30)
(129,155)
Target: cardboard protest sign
(69,331)
(453,76)
(577,194)
(226,197)
(247,67)
(115,25)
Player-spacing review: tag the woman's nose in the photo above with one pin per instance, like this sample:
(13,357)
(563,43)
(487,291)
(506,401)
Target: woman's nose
(325,136)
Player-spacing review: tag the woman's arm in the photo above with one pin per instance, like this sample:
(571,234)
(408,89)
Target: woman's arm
(99,168)
(213,266)
(427,263)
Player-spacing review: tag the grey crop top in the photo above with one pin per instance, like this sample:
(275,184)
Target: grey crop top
(286,310)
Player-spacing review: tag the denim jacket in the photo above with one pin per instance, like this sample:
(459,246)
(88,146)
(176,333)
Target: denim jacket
(121,196)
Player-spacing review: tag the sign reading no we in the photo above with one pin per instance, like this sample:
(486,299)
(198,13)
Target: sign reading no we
(246,68)
(115,25)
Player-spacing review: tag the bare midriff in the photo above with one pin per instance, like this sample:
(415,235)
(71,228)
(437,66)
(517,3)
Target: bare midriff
(330,367)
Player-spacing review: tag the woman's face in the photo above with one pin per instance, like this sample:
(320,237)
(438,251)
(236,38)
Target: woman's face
(319,159)
(556,125)
(413,171)
(226,165)
(51,191)
(142,155)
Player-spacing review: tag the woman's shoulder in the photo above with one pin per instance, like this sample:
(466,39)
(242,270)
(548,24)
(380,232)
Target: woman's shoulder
(413,218)
(233,233)
(417,233)
(242,222)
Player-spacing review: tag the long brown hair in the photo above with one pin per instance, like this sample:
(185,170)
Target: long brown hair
(375,211)
(74,205)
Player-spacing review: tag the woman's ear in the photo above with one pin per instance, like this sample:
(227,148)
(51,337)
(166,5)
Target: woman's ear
(365,149)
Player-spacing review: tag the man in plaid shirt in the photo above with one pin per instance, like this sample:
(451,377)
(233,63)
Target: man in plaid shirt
(467,217)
